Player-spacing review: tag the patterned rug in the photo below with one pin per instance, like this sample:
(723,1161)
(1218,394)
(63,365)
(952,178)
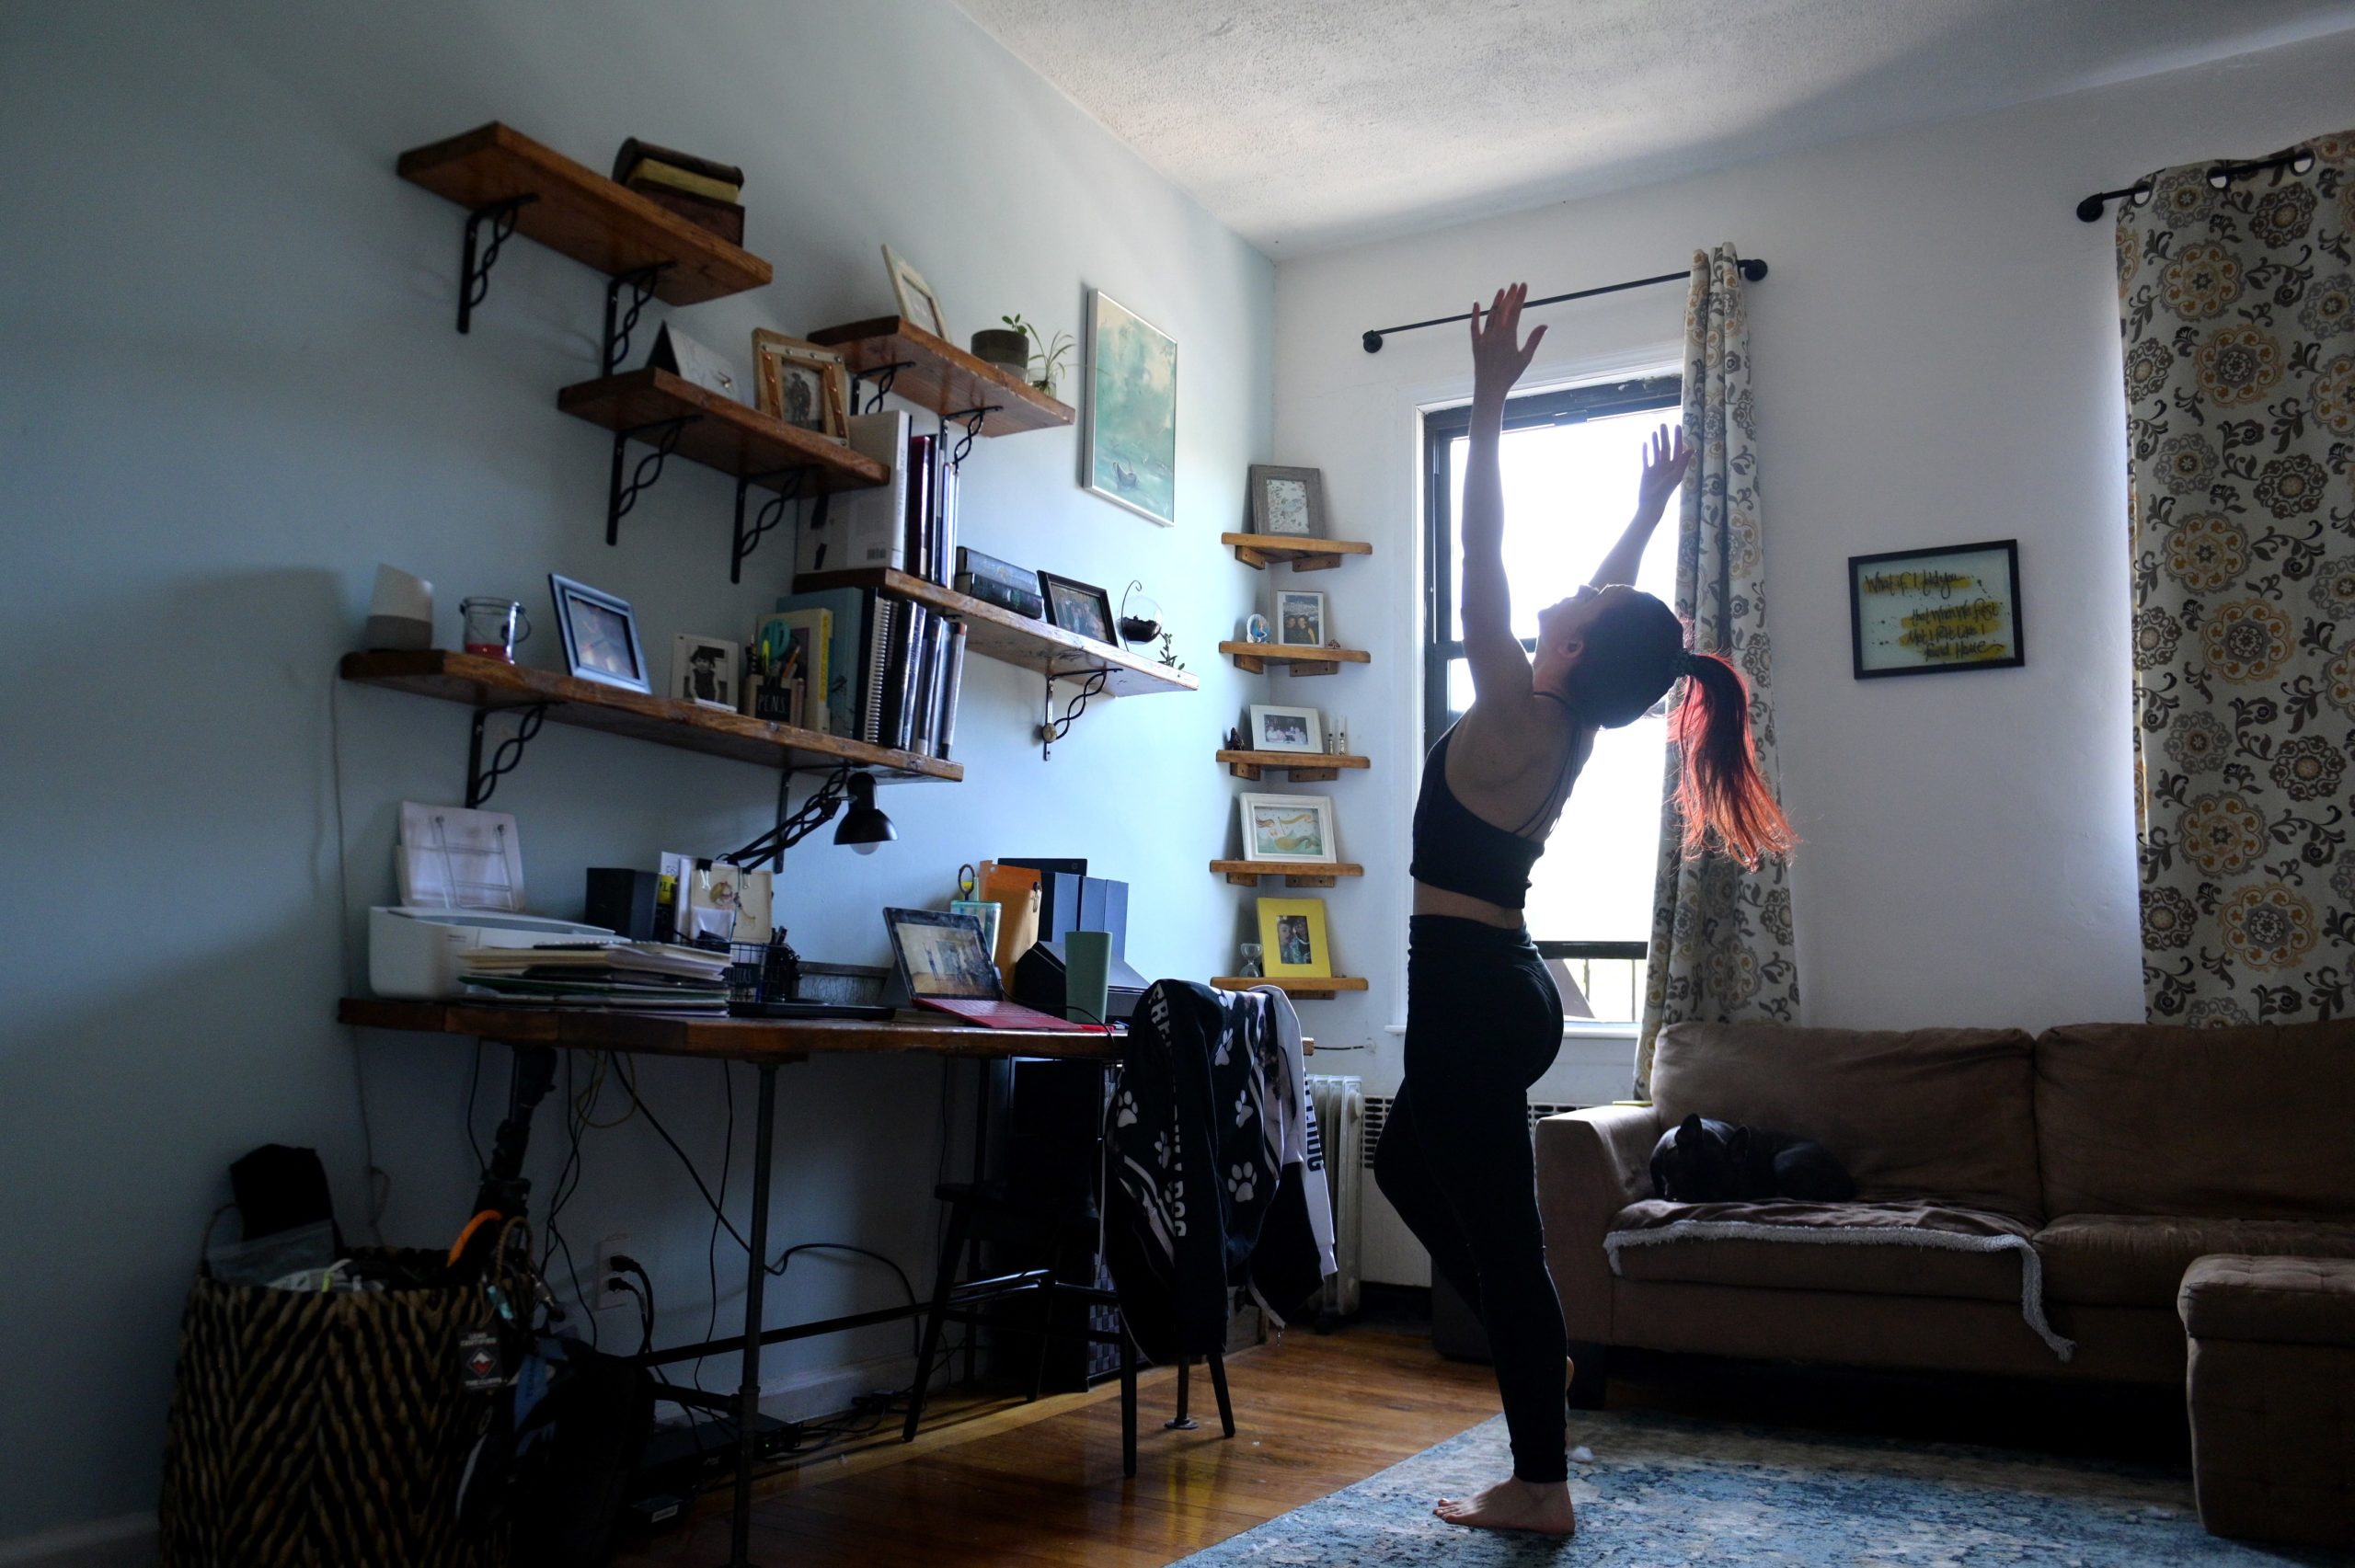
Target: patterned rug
(1662,1490)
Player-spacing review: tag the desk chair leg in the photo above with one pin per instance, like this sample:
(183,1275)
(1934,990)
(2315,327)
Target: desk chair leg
(1181,1422)
(1128,1405)
(1218,1386)
(945,1277)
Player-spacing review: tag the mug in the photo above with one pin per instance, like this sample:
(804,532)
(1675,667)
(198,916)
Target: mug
(491,627)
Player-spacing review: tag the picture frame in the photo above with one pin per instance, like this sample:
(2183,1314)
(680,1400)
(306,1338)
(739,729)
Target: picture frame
(1288,829)
(1293,939)
(1128,453)
(1934,611)
(917,302)
(1288,500)
(1299,618)
(600,635)
(1275,727)
(801,383)
(707,671)
(1078,607)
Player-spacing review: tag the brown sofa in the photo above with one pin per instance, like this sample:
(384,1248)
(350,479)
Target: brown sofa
(2117,1154)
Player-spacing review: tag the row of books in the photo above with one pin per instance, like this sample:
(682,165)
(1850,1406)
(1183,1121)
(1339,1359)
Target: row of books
(891,671)
(706,193)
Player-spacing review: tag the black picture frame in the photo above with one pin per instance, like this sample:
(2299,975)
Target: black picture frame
(1102,631)
(1871,652)
(591,644)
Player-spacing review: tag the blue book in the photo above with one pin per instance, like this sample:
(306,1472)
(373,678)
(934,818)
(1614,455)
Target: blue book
(846,652)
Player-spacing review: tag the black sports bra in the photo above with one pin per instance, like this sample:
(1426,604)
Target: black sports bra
(1459,852)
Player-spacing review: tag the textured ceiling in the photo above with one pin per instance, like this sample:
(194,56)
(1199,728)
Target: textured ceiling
(1304,124)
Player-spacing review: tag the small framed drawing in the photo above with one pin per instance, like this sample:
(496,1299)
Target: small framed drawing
(1292,933)
(600,635)
(917,302)
(1930,612)
(703,671)
(803,385)
(1129,454)
(1076,606)
(1299,618)
(1293,828)
(1277,728)
(1288,500)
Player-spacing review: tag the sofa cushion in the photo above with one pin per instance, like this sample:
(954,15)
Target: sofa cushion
(2137,1118)
(1808,1262)
(2138,1260)
(2274,1300)
(1937,1113)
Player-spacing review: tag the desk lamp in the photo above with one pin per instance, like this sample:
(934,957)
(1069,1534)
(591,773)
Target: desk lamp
(864,826)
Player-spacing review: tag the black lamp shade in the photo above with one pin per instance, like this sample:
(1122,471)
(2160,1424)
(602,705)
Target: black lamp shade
(863,826)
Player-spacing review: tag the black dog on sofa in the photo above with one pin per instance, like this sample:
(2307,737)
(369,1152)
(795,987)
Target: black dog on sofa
(1701,1161)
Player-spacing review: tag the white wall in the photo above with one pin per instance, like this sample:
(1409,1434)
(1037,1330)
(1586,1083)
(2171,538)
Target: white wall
(1936,361)
(231,387)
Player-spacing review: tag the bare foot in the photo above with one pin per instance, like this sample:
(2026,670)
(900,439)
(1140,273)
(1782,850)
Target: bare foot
(1514,1505)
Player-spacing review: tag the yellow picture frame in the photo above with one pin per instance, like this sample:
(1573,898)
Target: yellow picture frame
(1279,937)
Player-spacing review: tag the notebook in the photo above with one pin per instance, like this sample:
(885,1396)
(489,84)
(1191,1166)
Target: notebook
(944,967)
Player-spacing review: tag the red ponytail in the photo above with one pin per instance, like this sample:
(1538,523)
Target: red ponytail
(1720,794)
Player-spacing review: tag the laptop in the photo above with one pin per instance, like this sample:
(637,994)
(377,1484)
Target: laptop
(944,967)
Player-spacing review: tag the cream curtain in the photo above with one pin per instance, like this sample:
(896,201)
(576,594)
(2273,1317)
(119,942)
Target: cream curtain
(1721,935)
(2238,314)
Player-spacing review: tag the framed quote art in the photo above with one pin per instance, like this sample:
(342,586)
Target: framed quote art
(1931,612)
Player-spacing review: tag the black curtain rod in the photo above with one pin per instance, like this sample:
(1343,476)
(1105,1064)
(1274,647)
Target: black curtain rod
(1752,269)
(2219,176)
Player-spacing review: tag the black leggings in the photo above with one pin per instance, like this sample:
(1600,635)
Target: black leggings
(1483,1021)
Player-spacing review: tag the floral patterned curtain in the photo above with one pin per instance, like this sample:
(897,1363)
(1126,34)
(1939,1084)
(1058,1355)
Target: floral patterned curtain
(1721,935)
(2238,314)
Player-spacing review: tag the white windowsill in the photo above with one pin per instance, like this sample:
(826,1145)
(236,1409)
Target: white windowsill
(1572,1029)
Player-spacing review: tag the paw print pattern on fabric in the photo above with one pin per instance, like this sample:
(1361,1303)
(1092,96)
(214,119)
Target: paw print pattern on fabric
(1161,1149)
(1127,1114)
(1243,1107)
(1240,1185)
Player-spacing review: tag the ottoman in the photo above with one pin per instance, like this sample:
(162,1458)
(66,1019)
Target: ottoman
(2272,1393)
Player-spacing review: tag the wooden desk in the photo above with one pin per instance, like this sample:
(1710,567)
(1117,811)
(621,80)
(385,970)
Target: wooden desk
(767,1044)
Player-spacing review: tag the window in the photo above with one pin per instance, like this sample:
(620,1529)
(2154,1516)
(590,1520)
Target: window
(1570,461)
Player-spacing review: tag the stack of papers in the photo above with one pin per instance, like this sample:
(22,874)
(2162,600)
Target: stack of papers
(652,976)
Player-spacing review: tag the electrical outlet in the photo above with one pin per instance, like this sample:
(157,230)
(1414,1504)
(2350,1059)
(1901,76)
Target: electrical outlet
(607,1245)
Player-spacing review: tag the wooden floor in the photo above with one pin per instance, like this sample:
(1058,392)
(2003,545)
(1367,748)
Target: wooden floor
(998,1481)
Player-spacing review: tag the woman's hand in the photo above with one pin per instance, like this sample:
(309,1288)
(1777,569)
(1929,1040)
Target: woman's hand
(1499,357)
(1665,461)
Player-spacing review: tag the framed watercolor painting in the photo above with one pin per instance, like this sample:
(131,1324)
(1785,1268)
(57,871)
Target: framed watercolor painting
(1130,454)
(1288,828)
(1288,500)
(1932,611)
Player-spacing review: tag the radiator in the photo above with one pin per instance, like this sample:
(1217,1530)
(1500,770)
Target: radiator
(1342,1145)
(1388,1253)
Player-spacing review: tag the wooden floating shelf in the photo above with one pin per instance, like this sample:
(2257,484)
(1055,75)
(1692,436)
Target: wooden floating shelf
(1247,873)
(479,683)
(940,376)
(1257,551)
(727,435)
(1000,633)
(1253,657)
(1300,767)
(1323,986)
(582,214)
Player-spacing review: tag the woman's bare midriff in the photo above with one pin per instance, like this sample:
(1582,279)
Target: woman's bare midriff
(1430,900)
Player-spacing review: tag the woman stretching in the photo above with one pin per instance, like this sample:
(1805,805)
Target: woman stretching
(1483,1019)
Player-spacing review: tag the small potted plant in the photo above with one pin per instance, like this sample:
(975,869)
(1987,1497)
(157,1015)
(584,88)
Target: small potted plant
(1046,360)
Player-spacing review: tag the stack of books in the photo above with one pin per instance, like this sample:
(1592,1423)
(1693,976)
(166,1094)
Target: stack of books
(654,976)
(707,194)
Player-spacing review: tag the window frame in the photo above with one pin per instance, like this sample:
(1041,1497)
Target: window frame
(1443,427)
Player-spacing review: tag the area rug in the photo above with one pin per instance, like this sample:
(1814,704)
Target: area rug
(1663,1490)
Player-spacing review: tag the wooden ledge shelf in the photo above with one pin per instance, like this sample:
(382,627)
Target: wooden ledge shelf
(1001,634)
(1253,657)
(1318,986)
(737,440)
(1247,873)
(937,374)
(1258,550)
(1300,767)
(482,683)
(582,214)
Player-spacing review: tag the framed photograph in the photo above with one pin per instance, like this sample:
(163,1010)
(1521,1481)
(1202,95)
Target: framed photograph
(600,635)
(917,302)
(1931,612)
(803,385)
(1299,618)
(1129,454)
(1077,607)
(1292,935)
(703,671)
(1277,728)
(1288,500)
(1288,828)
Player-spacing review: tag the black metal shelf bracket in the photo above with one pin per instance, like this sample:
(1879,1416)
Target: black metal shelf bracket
(789,482)
(481,780)
(972,419)
(883,376)
(619,496)
(474,272)
(1053,726)
(620,324)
